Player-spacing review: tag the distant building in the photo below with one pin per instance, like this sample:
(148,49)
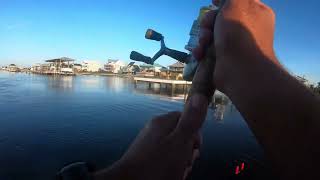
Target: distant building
(132,68)
(176,71)
(114,66)
(36,67)
(58,66)
(4,67)
(177,67)
(151,68)
(91,66)
(13,68)
(148,70)
(47,67)
(77,67)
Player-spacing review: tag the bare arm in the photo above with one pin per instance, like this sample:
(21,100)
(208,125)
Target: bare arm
(282,113)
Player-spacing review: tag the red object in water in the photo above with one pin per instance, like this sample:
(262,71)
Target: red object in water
(237,170)
(242,166)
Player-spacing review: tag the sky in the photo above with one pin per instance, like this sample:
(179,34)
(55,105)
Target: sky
(32,31)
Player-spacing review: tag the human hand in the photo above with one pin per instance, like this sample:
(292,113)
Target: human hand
(165,149)
(241,30)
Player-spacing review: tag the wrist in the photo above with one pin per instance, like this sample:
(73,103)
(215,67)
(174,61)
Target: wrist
(235,70)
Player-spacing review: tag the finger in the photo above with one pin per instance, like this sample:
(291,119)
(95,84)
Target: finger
(206,37)
(193,117)
(187,172)
(198,141)
(206,34)
(195,156)
(198,52)
(208,21)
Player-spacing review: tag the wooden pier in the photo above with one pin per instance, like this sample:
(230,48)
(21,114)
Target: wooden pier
(164,82)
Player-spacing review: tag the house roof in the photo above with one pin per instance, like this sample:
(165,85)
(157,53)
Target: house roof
(62,59)
(164,69)
(177,65)
(158,65)
(150,66)
(112,60)
(45,65)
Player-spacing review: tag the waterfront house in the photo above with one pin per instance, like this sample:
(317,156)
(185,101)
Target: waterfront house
(36,67)
(91,66)
(4,68)
(176,71)
(13,68)
(60,66)
(114,66)
(47,67)
(177,67)
(77,67)
(151,68)
(148,70)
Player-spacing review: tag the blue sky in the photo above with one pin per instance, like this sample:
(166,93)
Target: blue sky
(32,31)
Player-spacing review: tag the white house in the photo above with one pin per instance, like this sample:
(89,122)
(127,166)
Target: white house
(77,67)
(13,68)
(154,68)
(114,66)
(91,66)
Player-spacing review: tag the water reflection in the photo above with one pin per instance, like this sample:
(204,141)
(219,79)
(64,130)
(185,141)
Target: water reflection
(113,84)
(117,84)
(164,91)
(90,82)
(61,83)
(220,104)
(96,121)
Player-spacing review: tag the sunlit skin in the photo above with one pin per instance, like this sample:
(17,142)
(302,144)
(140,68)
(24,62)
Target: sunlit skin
(282,113)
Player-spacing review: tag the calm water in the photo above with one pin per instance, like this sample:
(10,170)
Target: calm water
(48,122)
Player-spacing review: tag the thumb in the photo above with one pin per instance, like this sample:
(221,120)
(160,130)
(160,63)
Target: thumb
(193,116)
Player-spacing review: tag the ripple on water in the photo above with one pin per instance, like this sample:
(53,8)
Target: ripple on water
(53,127)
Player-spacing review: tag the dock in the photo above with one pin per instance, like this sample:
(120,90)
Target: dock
(164,83)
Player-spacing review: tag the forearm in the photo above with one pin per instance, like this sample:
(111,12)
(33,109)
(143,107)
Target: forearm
(280,111)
